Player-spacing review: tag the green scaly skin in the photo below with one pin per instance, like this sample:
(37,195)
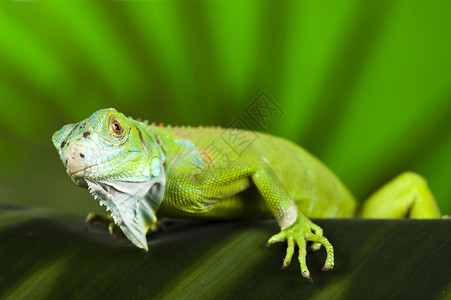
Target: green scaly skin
(139,171)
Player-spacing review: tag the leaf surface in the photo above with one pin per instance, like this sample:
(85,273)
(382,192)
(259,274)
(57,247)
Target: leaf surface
(48,255)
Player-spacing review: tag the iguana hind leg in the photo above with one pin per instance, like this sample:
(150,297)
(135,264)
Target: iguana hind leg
(406,196)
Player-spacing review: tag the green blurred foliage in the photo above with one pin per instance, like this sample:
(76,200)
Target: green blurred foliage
(364,85)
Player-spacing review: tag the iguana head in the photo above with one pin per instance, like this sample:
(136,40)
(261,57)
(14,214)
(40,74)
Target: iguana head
(120,163)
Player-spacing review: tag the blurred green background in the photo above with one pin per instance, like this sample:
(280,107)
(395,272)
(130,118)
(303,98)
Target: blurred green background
(363,85)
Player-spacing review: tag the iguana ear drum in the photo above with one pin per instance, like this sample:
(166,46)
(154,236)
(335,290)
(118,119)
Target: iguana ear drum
(155,167)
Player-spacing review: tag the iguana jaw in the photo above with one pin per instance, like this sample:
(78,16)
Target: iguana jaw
(78,176)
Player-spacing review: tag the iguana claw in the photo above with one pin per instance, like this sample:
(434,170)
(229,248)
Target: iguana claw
(302,231)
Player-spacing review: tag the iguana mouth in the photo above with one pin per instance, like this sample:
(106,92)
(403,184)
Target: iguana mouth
(76,175)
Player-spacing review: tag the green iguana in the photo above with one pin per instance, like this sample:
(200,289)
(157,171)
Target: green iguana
(140,171)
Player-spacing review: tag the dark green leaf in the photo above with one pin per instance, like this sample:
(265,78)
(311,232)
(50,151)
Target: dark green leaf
(44,254)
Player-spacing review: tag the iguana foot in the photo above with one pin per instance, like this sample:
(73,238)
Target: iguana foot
(107,221)
(315,246)
(301,232)
(158,226)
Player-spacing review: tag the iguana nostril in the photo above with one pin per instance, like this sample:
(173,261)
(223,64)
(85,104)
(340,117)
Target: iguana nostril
(82,155)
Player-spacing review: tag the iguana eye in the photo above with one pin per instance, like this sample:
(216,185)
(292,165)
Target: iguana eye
(116,127)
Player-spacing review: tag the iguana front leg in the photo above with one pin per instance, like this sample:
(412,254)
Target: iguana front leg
(106,220)
(113,228)
(218,183)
